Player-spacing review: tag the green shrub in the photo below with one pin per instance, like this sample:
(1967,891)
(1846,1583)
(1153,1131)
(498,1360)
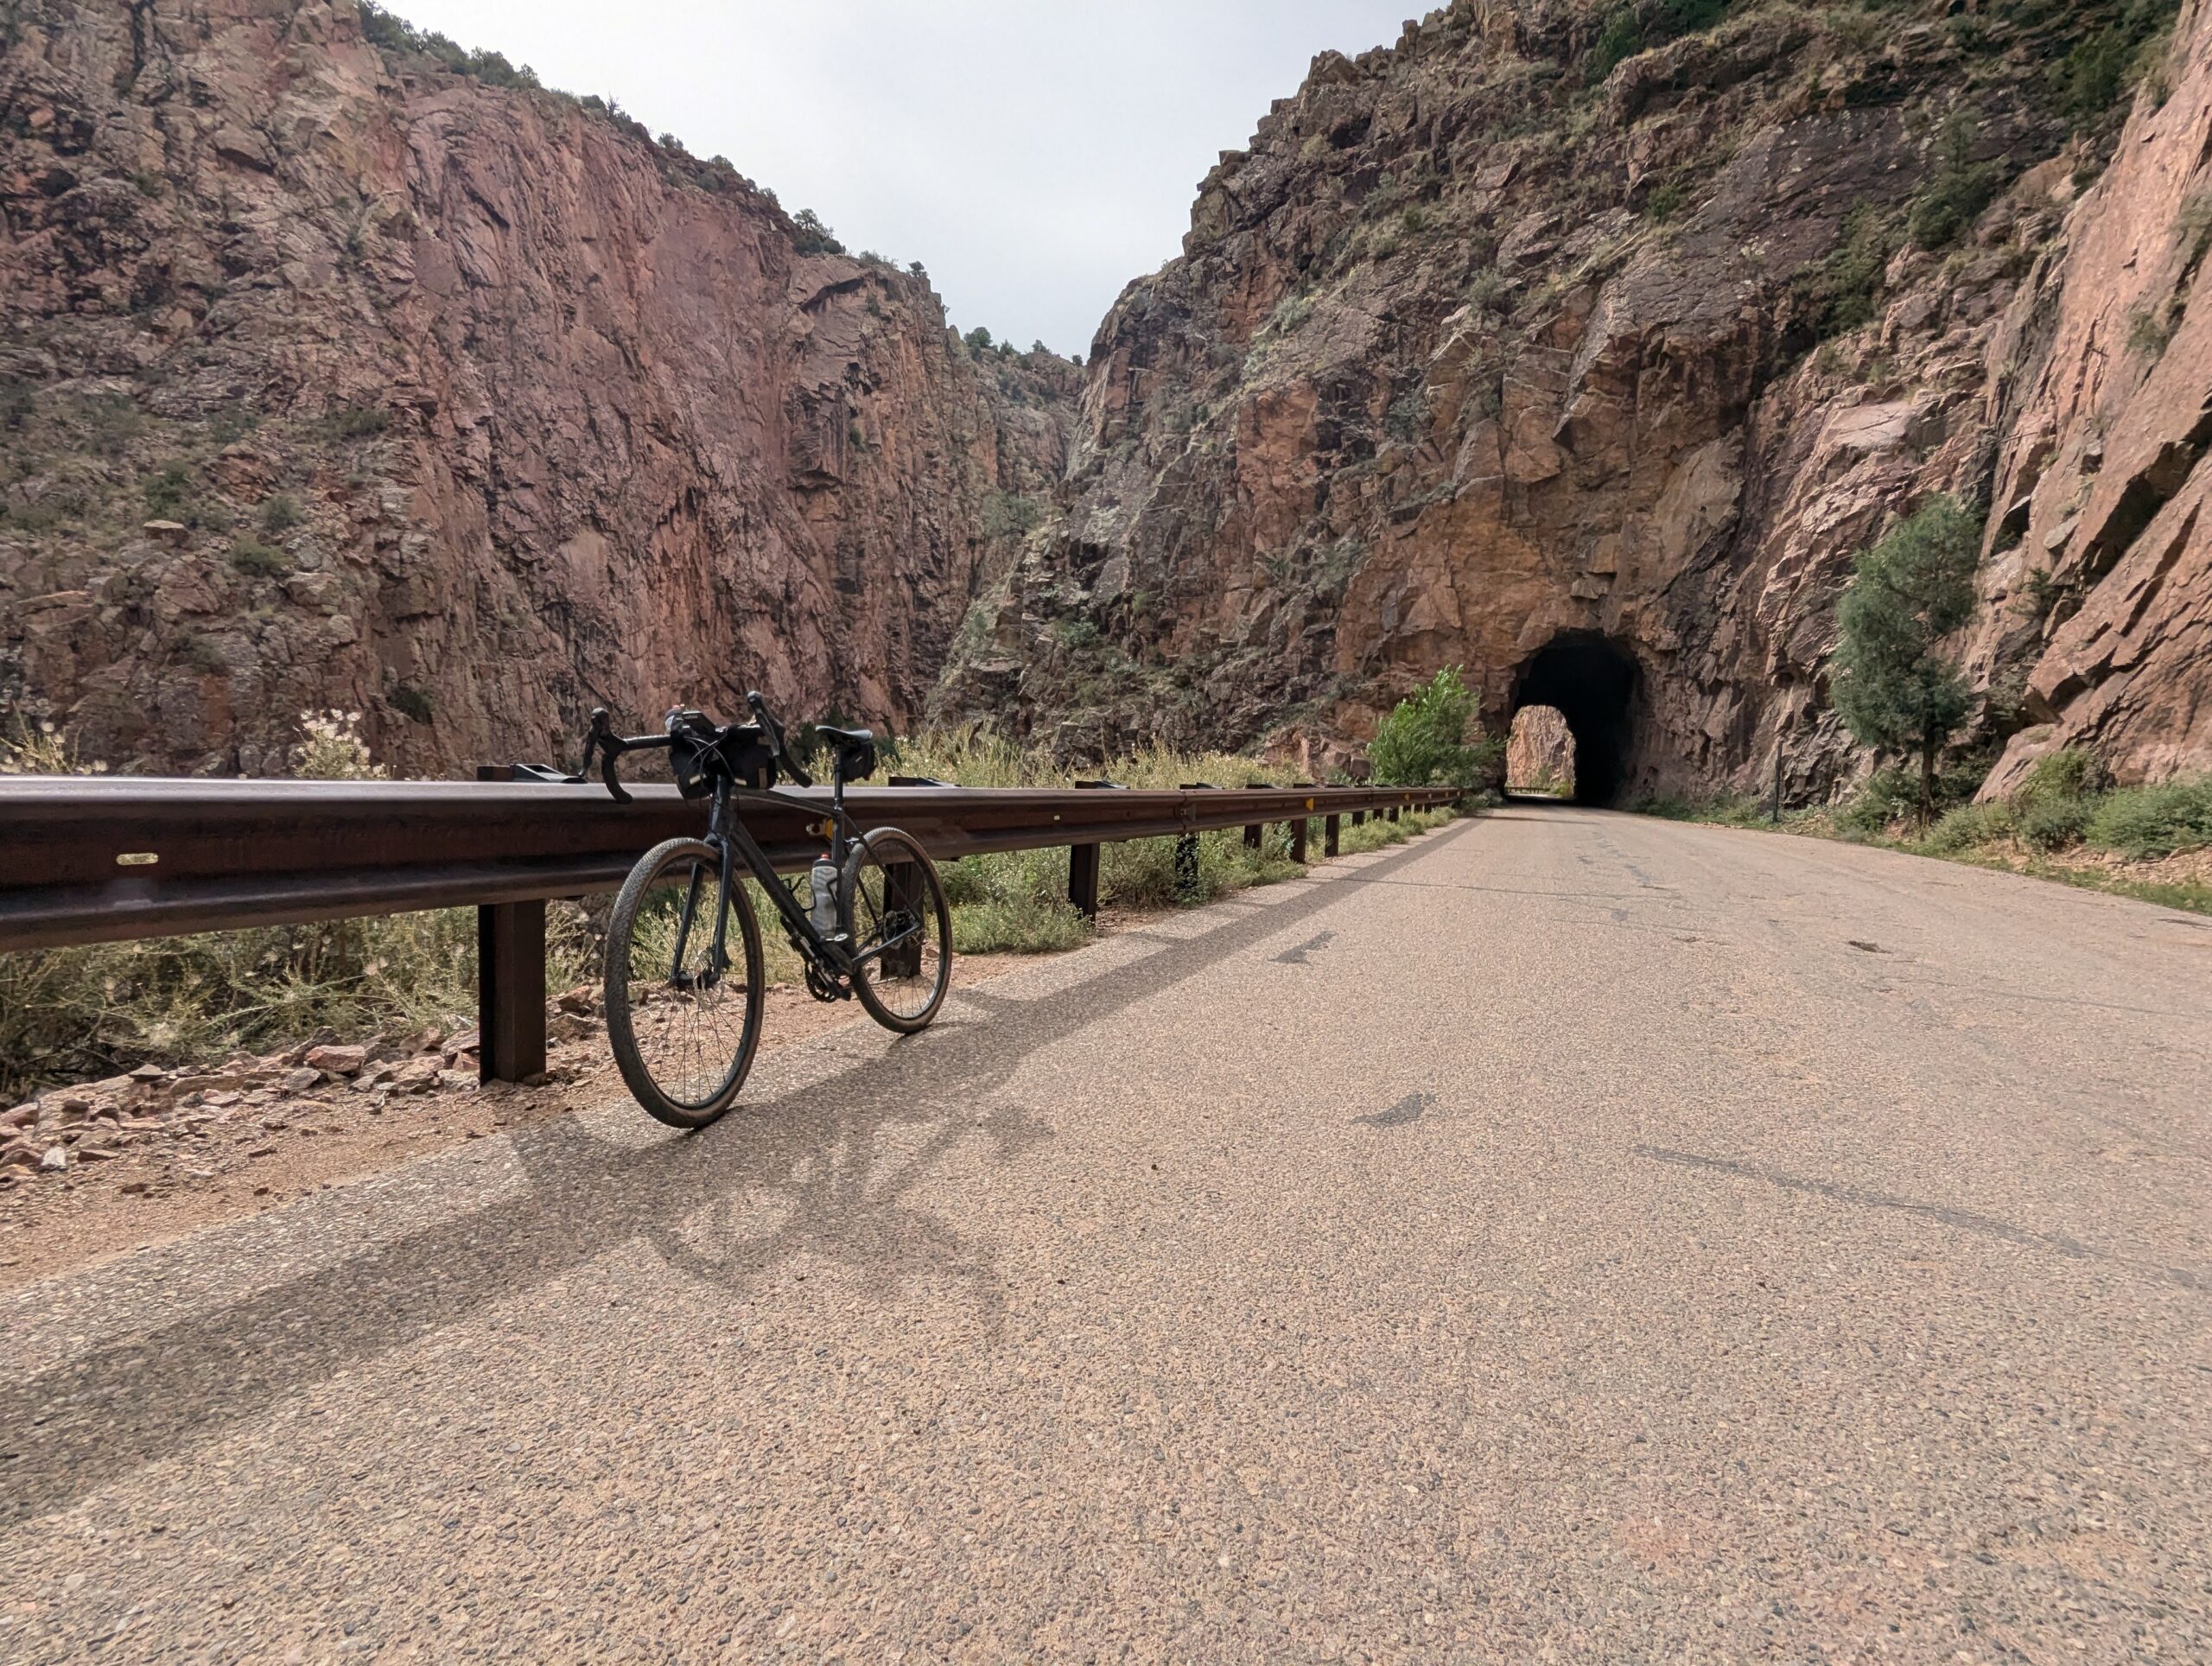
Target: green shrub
(110,422)
(2142,822)
(167,490)
(1967,827)
(412,702)
(357,422)
(1011,514)
(1632,29)
(2149,329)
(280,512)
(2069,772)
(256,559)
(1959,190)
(2054,821)
(232,422)
(1664,202)
(1486,286)
(1035,926)
(1886,797)
(811,237)
(1012,903)
(1424,741)
(1840,291)
(1620,40)
(2106,65)
(1292,311)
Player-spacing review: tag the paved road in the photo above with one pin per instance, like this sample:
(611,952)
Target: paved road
(1570,1233)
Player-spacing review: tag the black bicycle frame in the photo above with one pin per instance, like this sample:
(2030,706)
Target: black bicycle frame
(728,832)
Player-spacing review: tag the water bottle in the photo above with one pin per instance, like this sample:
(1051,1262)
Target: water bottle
(823,914)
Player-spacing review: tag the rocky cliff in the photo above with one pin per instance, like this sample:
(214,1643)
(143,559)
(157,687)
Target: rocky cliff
(1587,347)
(332,376)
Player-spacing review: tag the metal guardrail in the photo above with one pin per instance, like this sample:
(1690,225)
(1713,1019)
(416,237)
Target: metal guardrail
(102,859)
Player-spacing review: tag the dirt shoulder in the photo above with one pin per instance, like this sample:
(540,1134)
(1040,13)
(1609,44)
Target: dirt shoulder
(111,1166)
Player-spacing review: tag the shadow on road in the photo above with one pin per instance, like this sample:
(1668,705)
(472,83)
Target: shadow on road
(1964,1219)
(67,1431)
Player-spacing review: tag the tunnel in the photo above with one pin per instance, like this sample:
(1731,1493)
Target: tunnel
(1593,684)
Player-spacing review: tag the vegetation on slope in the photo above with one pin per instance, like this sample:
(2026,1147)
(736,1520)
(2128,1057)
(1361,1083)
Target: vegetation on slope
(2153,841)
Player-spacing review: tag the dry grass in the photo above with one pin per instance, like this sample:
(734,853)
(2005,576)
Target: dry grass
(67,1014)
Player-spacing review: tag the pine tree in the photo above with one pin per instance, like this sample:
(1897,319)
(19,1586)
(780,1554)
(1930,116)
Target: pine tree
(1912,589)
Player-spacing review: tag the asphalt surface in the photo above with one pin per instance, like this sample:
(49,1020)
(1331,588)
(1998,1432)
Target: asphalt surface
(1569,1236)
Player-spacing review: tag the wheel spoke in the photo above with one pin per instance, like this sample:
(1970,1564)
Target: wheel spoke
(897,914)
(689,1000)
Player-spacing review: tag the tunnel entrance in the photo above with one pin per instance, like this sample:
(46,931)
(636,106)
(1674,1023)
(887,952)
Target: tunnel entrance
(1591,684)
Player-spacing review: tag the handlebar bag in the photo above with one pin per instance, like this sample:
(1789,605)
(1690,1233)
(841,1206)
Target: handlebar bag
(699,754)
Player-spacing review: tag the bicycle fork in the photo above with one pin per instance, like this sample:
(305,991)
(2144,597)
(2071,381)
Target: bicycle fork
(718,959)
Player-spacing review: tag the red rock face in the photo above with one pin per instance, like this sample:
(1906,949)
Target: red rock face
(1480,355)
(336,381)
(2100,535)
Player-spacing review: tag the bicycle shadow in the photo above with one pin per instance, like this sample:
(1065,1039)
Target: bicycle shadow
(67,1431)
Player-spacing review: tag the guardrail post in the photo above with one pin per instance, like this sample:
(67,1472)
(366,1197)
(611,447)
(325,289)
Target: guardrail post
(1082,878)
(511,990)
(1391,814)
(1358,816)
(1186,851)
(1329,826)
(510,980)
(1298,840)
(1252,834)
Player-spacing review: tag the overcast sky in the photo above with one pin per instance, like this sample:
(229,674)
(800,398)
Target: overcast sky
(1034,155)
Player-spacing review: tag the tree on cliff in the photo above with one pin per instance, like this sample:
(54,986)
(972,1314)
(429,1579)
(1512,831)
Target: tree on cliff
(811,237)
(1424,740)
(1909,592)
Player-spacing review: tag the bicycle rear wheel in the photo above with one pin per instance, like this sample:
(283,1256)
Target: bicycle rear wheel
(894,903)
(683,1021)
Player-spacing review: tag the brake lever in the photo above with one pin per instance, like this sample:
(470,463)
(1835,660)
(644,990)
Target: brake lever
(775,732)
(602,738)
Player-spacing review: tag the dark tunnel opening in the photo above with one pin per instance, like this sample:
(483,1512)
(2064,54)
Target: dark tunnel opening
(1593,684)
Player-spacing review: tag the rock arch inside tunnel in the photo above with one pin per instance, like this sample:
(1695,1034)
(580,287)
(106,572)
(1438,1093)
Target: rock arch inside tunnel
(1592,682)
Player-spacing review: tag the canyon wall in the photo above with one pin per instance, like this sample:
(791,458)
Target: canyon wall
(331,378)
(1590,360)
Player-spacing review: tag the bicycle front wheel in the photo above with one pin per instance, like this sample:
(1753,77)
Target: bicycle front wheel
(901,929)
(683,983)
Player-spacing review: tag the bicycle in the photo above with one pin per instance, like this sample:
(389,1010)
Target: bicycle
(683,1005)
